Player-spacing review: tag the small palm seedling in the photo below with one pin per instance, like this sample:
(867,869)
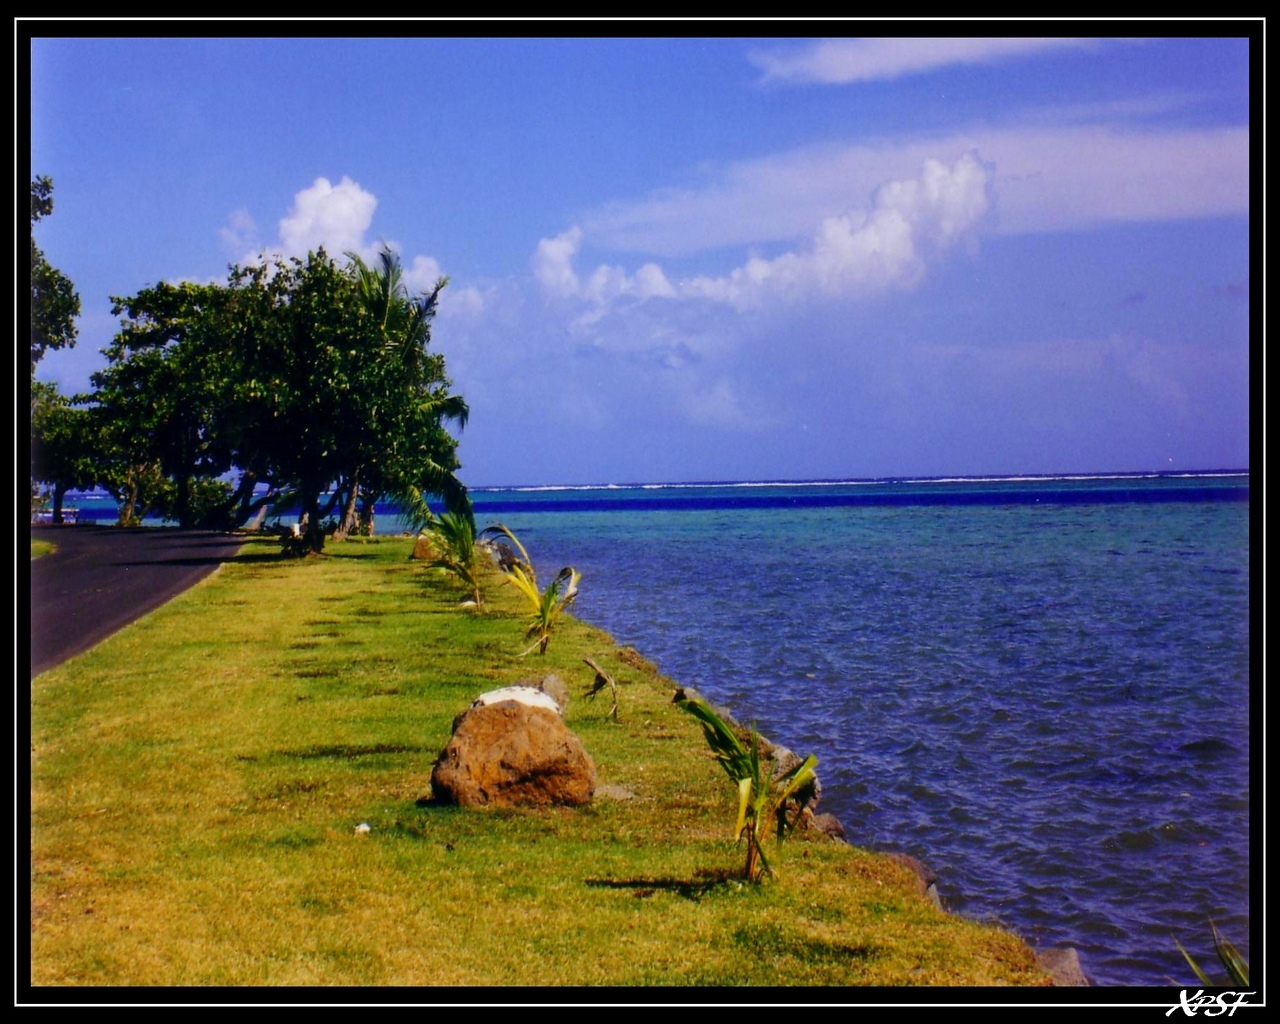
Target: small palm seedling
(547,605)
(458,554)
(1230,958)
(760,797)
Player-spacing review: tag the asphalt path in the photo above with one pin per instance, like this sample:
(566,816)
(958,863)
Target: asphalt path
(101,578)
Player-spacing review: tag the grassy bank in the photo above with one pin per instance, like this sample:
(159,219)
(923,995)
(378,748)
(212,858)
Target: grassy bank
(197,781)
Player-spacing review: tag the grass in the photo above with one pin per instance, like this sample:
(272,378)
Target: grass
(42,547)
(197,780)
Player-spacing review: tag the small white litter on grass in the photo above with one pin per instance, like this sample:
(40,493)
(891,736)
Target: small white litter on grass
(362,829)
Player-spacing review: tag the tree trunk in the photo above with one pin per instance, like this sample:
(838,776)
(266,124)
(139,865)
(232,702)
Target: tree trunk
(366,515)
(59,491)
(130,503)
(753,854)
(314,531)
(256,522)
(349,519)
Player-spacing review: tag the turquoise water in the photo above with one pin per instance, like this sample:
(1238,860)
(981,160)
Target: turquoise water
(1044,698)
(1039,687)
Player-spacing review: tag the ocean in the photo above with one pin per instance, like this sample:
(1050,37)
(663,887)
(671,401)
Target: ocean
(1038,686)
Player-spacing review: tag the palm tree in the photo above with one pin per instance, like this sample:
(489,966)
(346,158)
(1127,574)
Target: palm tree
(761,798)
(459,555)
(544,606)
(404,450)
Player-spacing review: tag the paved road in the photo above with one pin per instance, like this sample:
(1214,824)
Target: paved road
(102,578)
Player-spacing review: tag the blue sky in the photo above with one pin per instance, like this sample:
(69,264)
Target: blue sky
(712,259)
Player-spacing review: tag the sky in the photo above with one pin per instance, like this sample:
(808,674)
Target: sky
(705,259)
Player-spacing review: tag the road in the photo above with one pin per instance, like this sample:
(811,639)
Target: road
(102,578)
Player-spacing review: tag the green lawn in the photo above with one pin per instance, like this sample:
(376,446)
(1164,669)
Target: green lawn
(197,780)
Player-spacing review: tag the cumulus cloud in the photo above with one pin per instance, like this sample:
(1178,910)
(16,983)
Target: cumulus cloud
(911,221)
(465,302)
(333,216)
(1051,178)
(553,267)
(422,274)
(859,255)
(553,262)
(840,61)
(337,218)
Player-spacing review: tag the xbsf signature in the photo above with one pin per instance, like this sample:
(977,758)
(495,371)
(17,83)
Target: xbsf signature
(1212,1005)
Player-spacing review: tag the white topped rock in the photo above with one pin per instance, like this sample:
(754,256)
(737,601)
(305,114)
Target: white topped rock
(528,695)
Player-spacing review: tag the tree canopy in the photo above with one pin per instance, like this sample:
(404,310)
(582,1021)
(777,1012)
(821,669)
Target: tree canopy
(54,302)
(310,380)
(62,446)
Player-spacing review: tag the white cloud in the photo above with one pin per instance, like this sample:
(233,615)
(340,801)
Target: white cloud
(650,282)
(553,262)
(860,255)
(422,274)
(840,61)
(553,267)
(333,216)
(1049,178)
(466,302)
(910,222)
(337,218)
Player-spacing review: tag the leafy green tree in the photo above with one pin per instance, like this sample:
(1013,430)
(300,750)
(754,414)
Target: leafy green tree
(166,390)
(54,301)
(295,375)
(396,444)
(63,449)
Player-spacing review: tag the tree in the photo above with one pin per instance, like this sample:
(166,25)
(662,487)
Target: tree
(168,389)
(54,302)
(292,375)
(397,444)
(63,446)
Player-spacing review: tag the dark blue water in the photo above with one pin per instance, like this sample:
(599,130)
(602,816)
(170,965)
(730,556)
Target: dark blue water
(1040,688)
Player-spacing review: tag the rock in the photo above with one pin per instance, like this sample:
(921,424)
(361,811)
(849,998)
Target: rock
(744,734)
(521,693)
(509,753)
(632,657)
(552,685)
(827,824)
(424,549)
(500,553)
(925,876)
(1063,966)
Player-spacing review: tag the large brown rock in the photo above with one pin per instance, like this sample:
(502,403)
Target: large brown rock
(509,754)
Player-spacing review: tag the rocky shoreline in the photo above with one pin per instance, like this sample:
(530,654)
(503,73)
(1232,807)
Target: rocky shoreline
(1062,964)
